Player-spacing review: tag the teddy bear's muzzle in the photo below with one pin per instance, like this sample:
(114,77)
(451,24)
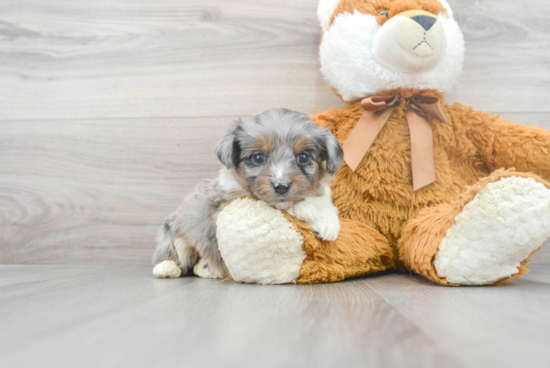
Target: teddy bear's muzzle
(410,42)
(426,21)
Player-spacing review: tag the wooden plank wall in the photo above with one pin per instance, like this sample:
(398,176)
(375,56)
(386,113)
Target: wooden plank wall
(110,109)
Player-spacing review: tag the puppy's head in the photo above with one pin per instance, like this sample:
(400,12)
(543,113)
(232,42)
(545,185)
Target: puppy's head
(280,156)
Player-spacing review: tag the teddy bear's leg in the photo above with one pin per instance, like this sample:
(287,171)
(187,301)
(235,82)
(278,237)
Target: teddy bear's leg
(263,245)
(485,237)
(359,250)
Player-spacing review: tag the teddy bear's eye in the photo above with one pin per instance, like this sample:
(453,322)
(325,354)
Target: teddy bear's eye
(384,13)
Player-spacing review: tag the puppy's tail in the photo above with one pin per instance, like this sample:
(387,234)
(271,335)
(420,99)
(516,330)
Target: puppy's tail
(165,242)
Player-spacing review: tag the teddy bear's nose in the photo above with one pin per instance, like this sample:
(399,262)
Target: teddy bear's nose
(425,21)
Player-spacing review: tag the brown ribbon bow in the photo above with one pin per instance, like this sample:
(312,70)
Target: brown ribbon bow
(377,112)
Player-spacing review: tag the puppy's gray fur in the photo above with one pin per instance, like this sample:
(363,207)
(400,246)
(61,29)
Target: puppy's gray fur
(280,136)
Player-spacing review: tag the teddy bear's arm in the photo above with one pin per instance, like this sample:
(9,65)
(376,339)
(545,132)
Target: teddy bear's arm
(503,144)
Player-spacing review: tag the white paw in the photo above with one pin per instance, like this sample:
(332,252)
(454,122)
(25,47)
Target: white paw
(326,226)
(167,270)
(203,270)
(504,223)
(319,213)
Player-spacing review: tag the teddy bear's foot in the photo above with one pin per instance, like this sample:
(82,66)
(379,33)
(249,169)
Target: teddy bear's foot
(258,244)
(485,237)
(495,233)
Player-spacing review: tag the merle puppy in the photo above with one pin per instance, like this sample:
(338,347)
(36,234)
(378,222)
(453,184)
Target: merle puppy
(280,157)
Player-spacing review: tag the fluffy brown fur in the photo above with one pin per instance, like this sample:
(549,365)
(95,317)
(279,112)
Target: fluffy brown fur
(422,235)
(385,223)
(346,257)
(379,201)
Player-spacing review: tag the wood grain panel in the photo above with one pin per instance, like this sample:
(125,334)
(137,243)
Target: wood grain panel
(78,191)
(105,59)
(96,191)
(507,55)
(540,120)
(140,58)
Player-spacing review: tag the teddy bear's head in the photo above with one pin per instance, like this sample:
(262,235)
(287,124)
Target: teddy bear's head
(369,46)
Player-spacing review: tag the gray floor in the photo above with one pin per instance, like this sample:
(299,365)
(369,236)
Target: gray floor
(120,316)
(109,113)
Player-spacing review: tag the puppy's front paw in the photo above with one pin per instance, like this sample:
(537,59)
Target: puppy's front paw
(319,213)
(167,270)
(327,226)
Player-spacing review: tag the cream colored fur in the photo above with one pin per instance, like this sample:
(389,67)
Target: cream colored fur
(258,244)
(167,270)
(404,45)
(357,65)
(495,232)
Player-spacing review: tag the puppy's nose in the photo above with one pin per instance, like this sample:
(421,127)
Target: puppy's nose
(425,21)
(281,187)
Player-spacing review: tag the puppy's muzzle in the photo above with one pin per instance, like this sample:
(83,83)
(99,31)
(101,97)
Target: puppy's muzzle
(281,187)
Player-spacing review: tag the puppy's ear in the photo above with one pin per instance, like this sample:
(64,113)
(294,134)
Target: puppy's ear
(335,153)
(229,149)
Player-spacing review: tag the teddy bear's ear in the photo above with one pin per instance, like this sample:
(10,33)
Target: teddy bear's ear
(325,9)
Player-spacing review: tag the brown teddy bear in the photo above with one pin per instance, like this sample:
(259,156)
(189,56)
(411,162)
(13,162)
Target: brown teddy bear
(456,195)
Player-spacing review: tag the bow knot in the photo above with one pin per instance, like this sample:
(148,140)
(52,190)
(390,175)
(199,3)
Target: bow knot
(378,110)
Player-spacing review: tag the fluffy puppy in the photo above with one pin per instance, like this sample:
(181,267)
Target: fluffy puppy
(280,157)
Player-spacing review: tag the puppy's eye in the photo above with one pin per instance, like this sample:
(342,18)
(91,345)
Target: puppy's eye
(302,158)
(258,158)
(384,13)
